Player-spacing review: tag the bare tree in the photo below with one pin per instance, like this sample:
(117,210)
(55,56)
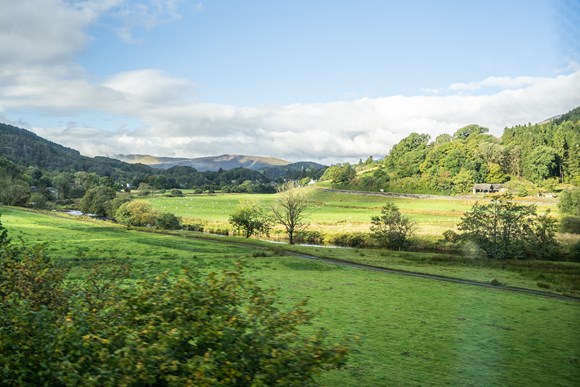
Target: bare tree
(290,209)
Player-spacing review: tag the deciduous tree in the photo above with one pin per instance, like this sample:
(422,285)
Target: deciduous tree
(391,229)
(97,200)
(507,230)
(290,209)
(251,219)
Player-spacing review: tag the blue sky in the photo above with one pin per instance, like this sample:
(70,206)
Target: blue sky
(318,80)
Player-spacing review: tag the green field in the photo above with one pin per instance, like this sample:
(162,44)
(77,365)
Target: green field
(330,212)
(412,331)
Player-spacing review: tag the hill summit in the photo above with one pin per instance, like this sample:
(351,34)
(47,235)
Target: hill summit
(210,163)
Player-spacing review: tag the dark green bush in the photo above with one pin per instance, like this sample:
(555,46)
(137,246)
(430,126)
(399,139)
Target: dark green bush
(311,237)
(356,239)
(570,224)
(168,221)
(176,193)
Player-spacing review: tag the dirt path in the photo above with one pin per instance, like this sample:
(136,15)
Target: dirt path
(362,266)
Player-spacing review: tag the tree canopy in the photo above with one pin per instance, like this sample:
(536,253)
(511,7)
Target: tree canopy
(503,229)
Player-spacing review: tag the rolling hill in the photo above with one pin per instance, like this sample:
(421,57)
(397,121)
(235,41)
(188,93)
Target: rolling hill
(211,163)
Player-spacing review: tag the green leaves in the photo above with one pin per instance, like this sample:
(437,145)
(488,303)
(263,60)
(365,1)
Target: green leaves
(191,329)
(391,229)
(507,230)
(251,219)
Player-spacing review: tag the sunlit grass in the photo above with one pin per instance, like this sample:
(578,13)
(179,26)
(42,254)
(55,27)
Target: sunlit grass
(410,331)
(332,212)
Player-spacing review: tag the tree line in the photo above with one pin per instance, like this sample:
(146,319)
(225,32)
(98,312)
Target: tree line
(527,158)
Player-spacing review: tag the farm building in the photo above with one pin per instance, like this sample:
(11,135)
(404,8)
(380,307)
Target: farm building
(487,188)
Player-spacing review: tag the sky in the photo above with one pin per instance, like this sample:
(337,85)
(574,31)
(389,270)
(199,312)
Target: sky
(327,80)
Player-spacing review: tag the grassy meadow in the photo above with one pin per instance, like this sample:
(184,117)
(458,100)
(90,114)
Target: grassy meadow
(405,331)
(331,212)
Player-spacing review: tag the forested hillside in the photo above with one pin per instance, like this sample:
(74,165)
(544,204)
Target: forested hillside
(37,172)
(27,149)
(526,158)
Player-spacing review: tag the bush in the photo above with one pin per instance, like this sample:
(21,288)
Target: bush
(251,219)
(569,202)
(570,224)
(505,230)
(168,221)
(391,229)
(97,200)
(355,239)
(451,236)
(176,193)
(194,227)
(572,251)
(137,213)
(38,200)
(307,236)
(186,330)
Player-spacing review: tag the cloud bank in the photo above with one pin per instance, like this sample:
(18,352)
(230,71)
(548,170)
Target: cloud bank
(40,76)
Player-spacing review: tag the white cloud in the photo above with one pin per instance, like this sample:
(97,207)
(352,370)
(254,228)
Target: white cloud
(40,31)
(495,82)
(149,85)
(37,73)
(325,132)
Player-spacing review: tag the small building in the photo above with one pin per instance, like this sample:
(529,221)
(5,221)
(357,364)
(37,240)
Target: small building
(487,188)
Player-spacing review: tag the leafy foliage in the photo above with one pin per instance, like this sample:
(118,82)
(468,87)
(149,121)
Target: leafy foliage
(251,219)
(339,173)
(97,200)
(290,209)
(136,213)
(14,190)
(168,221)
(391,229)
(569,202)
(185,330)
(546,154)
(507,230)
(570,224)
(4,240)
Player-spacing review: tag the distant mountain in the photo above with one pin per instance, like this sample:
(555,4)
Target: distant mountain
(211,163)
(572,115)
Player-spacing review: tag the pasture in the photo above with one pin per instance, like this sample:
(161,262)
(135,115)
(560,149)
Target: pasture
(330,212)
(406,331)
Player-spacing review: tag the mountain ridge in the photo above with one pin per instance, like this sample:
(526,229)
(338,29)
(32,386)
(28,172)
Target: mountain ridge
(207,163)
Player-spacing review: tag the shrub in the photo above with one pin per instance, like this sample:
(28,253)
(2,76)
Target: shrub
(391,229)
(136,213)
(569,202)
(194,227)
(451,236)
(570,224)
(38,200)
(355,239)
(184,330)
(504,230)
(97,200)
(251,219)
(309,236)
(573,252)
(176,193)
(168,221)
